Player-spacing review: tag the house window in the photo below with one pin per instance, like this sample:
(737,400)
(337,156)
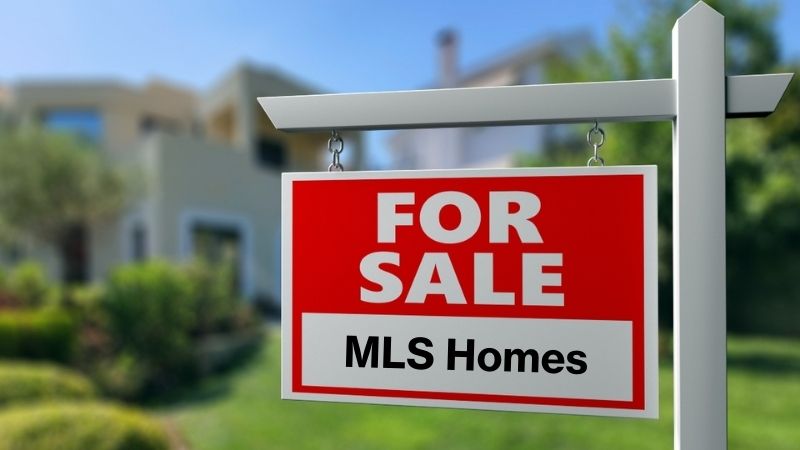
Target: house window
(221,239)
(219,245)
(270,153)
(139,242)
(85,123)
(151,123)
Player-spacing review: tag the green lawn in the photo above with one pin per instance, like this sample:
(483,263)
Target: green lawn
(243,411)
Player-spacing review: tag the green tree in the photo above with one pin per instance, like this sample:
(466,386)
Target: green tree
(50,184)
(763,162)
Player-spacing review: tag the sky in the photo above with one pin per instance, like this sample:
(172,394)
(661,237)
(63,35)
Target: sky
(336,46)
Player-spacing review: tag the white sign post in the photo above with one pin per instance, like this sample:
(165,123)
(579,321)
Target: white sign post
(697,99)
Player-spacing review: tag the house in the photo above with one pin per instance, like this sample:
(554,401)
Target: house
(209,164)
(448,148)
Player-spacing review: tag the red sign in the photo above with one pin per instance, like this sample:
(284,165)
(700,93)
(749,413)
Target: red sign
(508,289)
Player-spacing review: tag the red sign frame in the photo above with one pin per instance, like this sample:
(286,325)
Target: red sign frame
(602,223)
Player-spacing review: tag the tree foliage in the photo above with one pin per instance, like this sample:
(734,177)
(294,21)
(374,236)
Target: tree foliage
(763,155)
(51,182)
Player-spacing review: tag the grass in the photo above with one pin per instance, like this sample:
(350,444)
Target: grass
(243,411)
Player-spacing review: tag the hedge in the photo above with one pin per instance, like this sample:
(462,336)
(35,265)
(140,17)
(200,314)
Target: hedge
(47,333)
(79,426)
(28,283)
(151,312)
(40,382)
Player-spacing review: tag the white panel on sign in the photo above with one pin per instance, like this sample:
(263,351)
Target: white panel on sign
(502,356)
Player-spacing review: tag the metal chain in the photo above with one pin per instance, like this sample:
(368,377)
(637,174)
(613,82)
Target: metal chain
(596,137)
(335,146)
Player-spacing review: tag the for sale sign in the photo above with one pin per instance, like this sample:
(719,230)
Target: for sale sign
(508,289)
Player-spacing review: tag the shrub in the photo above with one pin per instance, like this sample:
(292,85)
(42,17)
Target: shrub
(78,427)
(28,283)
(214,296)
(7,300)
(123,376)
(266,305)
(150,317)
(21,382)
(216,353)
(85,301)
(47,333)
(94,343)
(145,337)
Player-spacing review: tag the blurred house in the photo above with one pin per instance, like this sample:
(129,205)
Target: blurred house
(448,148)
(208,163)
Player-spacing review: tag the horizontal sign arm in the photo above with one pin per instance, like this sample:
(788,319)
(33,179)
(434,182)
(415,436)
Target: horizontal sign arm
(755,95)
(636,100)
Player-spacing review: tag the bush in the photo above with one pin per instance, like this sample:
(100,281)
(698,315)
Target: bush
(151,314)
(216,353)
(125,376)
(145,336)
(7,300)
(21,382)
(28,283)
(85,301)
(267,306)
(47,333)
(214,297)
(79,427)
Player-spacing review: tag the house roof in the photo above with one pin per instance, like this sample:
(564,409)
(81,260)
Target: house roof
(155,96)
(524,55)
(255,81)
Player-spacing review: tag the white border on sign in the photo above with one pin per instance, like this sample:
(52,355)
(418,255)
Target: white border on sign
(651,375)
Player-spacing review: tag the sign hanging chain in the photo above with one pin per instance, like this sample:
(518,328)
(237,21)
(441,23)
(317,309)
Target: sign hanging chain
(335,146)
(596,137)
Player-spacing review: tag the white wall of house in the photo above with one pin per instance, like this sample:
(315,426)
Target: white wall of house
(194,181)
